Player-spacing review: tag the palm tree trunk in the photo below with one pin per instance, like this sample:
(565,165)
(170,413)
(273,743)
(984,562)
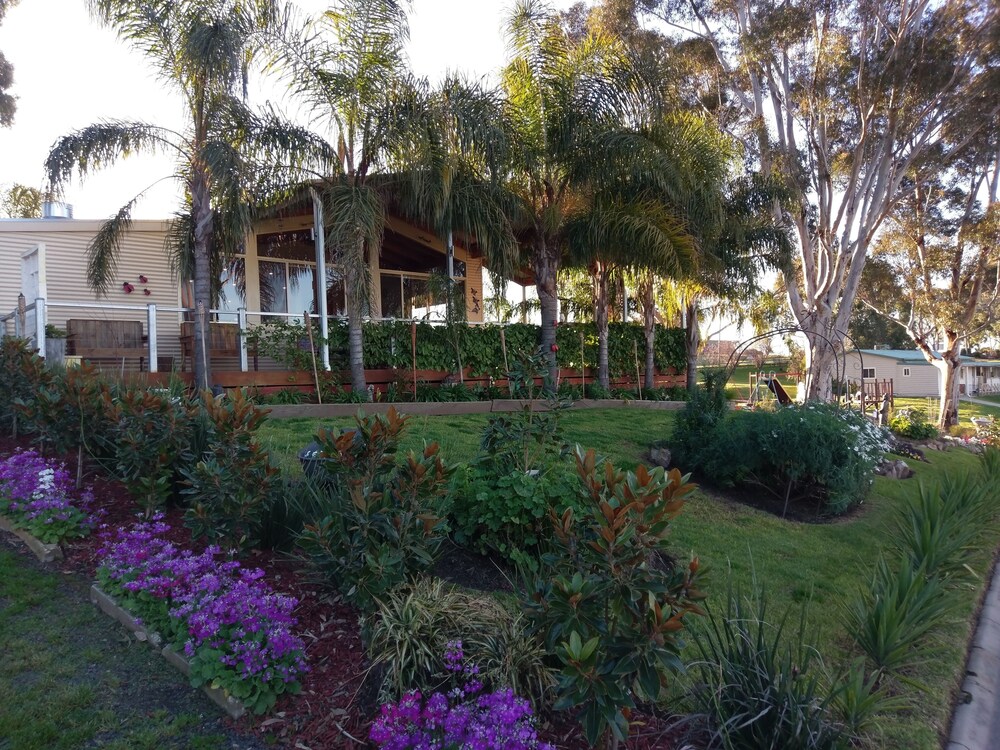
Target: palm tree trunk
(600,273)
(693,342)
(649,330)
(355,302)
(546,262)
(201,211)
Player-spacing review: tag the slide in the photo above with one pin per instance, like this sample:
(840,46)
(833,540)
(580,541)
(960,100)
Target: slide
(779,391)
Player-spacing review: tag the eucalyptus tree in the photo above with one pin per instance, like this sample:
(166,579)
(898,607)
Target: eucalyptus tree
(8,102)
(942,251)
(21,202)
(226,155)
(841,101)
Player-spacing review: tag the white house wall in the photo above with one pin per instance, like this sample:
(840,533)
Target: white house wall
(922,380)
(66,241)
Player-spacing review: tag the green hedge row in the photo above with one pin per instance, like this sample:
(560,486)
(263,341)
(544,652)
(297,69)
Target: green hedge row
(388,345)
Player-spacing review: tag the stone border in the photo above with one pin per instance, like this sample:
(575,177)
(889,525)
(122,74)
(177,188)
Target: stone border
(232,706)
(45,553)
(451,408)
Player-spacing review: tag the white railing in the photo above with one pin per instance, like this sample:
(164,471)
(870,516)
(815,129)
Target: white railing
(18,319)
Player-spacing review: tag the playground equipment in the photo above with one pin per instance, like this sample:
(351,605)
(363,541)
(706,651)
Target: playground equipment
(761,383)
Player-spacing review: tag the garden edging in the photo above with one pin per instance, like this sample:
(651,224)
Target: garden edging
(45,553)
(232,706)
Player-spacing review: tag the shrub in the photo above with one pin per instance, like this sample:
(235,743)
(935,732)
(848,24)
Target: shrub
(761,687)
(384,522)
(464,717)
(696,422)
(230,487)
(22,372)
(606,602)
(912,424)
(36,494)
(151,432)
(68,412)
(812,453)
(937,529)
(409,632)
(890,621)
(508,513)
(236,632)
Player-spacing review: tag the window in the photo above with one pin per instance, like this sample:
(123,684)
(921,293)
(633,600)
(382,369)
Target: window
(867,372)
(232,294)
(906,372)
(414,297)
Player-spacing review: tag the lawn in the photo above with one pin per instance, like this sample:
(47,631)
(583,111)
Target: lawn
(70,677)
(821,566)
(613,432)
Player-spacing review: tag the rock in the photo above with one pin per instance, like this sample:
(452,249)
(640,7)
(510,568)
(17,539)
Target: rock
(895,470)
(660,457)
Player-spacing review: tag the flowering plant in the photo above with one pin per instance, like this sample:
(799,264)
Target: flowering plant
(235,631)
(36,494)
(464,718)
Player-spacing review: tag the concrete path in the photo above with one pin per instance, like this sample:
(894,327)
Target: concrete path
(975,724)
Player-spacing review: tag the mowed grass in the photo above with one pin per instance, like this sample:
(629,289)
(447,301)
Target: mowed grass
(819,566)
(612,432)
(966,409)
(70,677)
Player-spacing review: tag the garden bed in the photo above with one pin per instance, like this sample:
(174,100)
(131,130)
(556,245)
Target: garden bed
(45,553)
(110,607)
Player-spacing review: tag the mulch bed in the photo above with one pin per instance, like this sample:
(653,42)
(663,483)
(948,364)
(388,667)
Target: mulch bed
(336,706)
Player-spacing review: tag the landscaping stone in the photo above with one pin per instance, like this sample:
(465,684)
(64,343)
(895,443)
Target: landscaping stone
(660,457)
(110,607)
(895,470)
(219,697)
(45,553)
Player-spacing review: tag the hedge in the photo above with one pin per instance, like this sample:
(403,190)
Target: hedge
(388,345)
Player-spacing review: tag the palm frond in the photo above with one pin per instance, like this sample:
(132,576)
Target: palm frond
(96,146)
(104,250)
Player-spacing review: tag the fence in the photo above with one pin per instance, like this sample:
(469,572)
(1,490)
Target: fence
(158,337)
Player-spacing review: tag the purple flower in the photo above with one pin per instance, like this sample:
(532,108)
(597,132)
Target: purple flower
(217,604)
(463,720)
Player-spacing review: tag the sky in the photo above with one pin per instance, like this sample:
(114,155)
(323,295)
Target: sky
(69,72)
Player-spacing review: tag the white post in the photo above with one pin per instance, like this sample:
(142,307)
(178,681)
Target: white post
(40,326)
(241,317)
(151,330)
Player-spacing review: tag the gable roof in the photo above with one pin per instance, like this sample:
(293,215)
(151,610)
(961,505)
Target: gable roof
(906,356)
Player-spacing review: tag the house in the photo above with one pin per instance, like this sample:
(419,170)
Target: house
(979,376)
(274,278)
(911,374)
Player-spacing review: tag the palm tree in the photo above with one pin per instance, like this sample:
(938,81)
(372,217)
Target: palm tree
(401,146)
(567,104)
(227,156)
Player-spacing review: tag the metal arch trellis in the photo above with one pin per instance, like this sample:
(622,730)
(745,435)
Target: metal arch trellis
(836,344)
